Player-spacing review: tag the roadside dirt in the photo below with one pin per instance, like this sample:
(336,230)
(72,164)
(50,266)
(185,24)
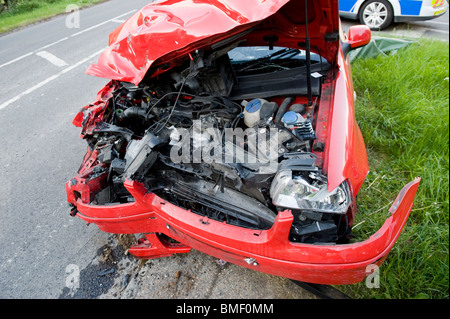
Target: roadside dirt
(114,274)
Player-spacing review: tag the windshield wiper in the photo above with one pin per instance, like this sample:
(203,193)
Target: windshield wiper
(267,58)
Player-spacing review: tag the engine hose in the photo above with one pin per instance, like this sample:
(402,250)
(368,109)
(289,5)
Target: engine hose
(282,109)
(131,112)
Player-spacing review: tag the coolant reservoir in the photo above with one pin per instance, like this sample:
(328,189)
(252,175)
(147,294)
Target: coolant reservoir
(291,118)
(252,112)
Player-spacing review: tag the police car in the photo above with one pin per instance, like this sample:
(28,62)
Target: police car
(379,14)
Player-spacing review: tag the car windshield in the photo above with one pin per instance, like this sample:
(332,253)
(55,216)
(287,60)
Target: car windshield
(262,59)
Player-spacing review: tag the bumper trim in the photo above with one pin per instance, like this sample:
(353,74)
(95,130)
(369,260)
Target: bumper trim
(274,253)
(156,247)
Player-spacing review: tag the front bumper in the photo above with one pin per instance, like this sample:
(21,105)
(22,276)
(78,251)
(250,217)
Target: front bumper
(268,251)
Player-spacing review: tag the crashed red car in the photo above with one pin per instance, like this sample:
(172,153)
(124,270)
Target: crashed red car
(228,127)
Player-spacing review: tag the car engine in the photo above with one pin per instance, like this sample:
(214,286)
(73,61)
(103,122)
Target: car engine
(230,141)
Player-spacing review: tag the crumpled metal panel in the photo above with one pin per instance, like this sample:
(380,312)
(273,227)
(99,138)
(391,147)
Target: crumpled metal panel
(164,31)
(159,29)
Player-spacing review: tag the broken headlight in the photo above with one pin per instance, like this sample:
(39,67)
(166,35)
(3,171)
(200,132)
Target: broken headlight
(308,191)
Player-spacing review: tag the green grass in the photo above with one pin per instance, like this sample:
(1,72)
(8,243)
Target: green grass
(403,111)
(23,12)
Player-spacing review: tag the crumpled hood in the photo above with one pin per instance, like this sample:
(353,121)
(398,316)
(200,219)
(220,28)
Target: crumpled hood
(164,30)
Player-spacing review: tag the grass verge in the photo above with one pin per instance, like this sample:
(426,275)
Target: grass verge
(25,13)
(403,111)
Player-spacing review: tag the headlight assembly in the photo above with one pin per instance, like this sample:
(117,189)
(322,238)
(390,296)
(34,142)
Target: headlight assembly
(301,191)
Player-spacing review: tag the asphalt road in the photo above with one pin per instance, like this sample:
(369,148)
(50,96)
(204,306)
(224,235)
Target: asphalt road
(42,86)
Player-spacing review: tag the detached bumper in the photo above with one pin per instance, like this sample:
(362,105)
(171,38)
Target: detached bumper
(268,251)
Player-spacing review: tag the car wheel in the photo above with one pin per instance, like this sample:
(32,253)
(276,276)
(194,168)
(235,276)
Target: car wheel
(376,14)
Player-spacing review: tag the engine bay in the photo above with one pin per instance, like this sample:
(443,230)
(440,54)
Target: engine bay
(228,134)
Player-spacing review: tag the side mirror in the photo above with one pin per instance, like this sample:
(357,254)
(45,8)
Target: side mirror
(358,36)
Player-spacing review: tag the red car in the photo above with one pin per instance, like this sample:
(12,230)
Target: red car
(228,127)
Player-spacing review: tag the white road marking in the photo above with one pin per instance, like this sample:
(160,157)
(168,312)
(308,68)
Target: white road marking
(64,39)
(48,80)
(52,44)
(120,21)
(52,59)
(102,23)
(17,59)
